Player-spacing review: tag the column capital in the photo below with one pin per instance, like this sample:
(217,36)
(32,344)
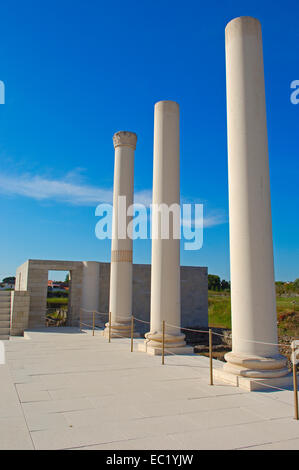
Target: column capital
(125,138)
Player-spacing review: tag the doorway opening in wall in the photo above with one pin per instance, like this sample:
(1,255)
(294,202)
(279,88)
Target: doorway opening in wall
(57,311)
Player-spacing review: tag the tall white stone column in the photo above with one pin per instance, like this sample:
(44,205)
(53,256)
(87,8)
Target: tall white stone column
(253,300)
(120,301)
(165,270)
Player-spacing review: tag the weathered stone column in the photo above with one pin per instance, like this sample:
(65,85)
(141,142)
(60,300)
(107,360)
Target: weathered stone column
(165,272)
(121,246)
(253,299)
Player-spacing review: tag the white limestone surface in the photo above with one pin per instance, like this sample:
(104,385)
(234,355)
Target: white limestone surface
(62,389)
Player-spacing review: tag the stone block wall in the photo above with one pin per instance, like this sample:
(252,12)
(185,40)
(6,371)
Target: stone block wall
(194,294)
(32,280)
(32,276)
(19,316)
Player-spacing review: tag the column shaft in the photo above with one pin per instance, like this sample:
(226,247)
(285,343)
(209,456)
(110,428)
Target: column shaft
(251,249)
(165,272)
(120,301)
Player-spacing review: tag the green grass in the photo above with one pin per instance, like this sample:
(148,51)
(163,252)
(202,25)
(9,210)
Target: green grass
(285,304)
(219,309)
(220,312)
(288,315)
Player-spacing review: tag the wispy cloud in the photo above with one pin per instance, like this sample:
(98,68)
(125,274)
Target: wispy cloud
(73,190)
(69,189)
(40,188)
(209,220)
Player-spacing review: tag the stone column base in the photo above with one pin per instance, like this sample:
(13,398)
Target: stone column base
(157,351)
(253,366)
(254,372)
(173,344)
(250,384)
(119,330)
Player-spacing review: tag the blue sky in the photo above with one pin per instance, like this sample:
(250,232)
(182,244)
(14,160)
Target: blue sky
(76,72)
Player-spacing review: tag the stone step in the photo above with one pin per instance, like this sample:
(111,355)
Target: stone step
(4,337)
(4,323)
(4,304)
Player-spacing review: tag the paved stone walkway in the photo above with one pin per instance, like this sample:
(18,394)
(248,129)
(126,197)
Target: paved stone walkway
(63,389)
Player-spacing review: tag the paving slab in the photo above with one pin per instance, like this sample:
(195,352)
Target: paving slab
(290,444)
(64,389)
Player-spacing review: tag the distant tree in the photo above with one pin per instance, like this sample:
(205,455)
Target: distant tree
(225,285)
(287,288)
(214,282)
(67,278)
(9,280)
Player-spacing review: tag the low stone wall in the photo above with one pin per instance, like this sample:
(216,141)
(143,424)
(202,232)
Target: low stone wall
(32,284)
(194,294)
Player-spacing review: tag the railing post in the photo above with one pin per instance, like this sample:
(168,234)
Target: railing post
(132,332)
(109,330)
(163,341)
(92,323)
(295,380)
(211,355)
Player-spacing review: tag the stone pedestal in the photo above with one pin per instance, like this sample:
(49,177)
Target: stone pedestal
(254,321)
(156,349)
(120,302)
(253,384)
(165,273)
